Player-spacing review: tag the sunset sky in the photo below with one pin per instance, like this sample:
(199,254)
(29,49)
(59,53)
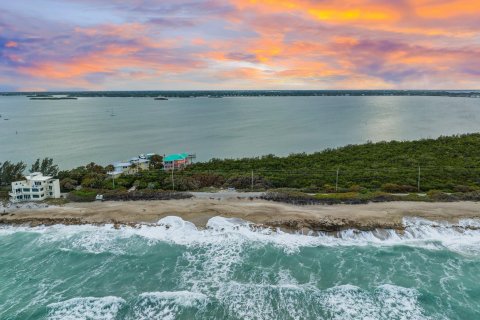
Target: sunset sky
(239,44)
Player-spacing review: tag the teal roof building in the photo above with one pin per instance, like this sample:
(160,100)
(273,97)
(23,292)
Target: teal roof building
(177,161)
(175,157)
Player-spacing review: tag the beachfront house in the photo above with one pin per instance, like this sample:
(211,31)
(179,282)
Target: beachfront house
(35,187)
(134,165)
(119,168)
(177,161)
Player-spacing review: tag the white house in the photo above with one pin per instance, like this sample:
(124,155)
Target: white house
(36,187)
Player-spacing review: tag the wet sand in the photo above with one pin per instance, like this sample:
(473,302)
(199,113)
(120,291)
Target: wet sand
(199,211)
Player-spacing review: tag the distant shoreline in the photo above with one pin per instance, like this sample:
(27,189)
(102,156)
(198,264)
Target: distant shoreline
(371,216)
(252,93)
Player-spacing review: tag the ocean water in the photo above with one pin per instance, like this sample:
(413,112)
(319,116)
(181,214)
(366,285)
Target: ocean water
(76,132)
(233,271)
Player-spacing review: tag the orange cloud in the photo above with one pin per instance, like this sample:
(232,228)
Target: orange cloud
(110,60)
(408,17)
(267,48)
(199,42)
(327,11)
(242,73)
(32,89)
(327,43)
(441,9)
(11,44)
(271,6)
(126,31)
(350,15)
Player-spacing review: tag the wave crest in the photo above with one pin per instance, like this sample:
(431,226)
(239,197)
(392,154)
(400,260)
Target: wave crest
(462,237)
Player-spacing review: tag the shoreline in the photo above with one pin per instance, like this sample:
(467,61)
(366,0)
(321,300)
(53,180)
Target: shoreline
(365,217)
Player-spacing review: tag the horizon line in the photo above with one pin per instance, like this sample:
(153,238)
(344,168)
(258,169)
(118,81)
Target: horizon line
(239,90)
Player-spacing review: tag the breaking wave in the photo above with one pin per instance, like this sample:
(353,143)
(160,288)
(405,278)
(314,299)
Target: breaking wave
(235,270)
(251,301)
(105,308)
(461,237)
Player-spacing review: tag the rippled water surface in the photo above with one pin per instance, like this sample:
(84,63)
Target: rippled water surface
(230,271)
(76,132)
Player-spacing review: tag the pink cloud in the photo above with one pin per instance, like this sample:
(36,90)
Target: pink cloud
(11,44)
(327,43)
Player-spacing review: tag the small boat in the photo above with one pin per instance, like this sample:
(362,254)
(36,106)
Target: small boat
(160,98)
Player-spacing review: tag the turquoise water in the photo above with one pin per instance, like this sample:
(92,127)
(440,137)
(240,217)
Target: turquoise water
(231,271)
(76,132)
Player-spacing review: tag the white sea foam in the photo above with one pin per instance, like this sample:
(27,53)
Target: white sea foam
(386,302)
(88,308)
(183,298)
(168,305)
(207,270)
(463,237)
(255,301)
(267,301)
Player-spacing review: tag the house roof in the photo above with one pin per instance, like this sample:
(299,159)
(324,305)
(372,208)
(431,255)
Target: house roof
(176,157)
(122,164)
(36,176)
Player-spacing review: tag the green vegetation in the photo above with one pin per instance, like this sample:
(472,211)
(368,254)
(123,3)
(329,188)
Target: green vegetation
(146,194)
(448,168)
(4,194)
(84,195)
(156,162)
(11,172)
(448,163)
(45,166)
(301,198)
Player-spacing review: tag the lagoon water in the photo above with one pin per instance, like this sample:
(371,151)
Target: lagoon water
(231,271)
(76,132)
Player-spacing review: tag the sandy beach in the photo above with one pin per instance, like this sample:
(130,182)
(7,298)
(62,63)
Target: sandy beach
(200,210)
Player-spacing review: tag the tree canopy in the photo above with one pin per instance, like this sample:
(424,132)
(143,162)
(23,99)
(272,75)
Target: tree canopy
(10,172)
(45,166)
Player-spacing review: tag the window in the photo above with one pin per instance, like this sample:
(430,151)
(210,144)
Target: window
(26,189)
(34,190)
(19,197)
(51,194)
(35,196)
(43,195)
(50,188)
(18,190)
(38,183)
